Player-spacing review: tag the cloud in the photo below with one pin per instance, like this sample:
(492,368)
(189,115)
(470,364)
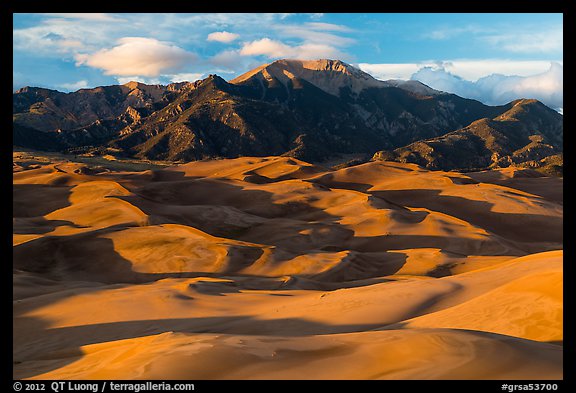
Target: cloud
(491,81)
(266,47)
(186,77)
(547,87)
(63,38)
(440,79)
(100,17)
(227,59)
(445,33)
(136,78)
(276,49)
(476,69)
(222,36)
(284,15)
(390,71)
(316,33)
(62,42)
(163,79)
(469,69)
(519,39)
(74,85)
(146,57)
(327,26)
(540,40)
(498,89)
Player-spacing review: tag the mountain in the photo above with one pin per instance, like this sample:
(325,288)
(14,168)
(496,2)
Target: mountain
(312,110)
(332,76)
(328,75)
(527,133)
(50,110)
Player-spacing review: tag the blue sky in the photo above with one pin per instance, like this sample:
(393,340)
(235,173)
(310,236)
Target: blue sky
(490,57)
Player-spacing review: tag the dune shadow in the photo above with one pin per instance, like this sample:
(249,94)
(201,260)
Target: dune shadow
(33,200)
(182,191)
(39,349)
(88,257)
(517,227)
(549,188)
(513,226)
(39,225)
(557,342)
(59,347)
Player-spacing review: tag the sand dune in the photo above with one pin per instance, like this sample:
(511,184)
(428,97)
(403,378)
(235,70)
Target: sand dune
(273,268)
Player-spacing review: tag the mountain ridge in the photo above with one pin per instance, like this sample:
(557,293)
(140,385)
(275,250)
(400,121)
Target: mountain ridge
(514,137)
(313,110)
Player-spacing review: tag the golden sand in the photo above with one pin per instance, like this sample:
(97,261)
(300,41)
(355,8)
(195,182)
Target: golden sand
(272,268)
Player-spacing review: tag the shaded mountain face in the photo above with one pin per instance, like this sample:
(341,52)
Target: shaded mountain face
(50,110)
(312,110)
(528,134)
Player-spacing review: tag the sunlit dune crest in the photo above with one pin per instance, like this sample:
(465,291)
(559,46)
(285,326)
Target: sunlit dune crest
(273,268)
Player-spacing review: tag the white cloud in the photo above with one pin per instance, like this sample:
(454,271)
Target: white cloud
(497,89)
(100,17)
(389,71)
(276,49)
(316,33)
(222,36)
(440,79)
(318,51)
(518,39)
(163,79)
(476,69)
(63,38)
(284,15)
(468,69)
(146,57)
(540,40)
(186,77)
(266,47)
(547,87)
(136,78)
(327,26)
(444,33)
(227,59)
(492,81)
(74,85)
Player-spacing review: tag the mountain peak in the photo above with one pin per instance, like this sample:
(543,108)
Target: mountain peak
(133,85)
(326,74)
(321,65)
(32,89)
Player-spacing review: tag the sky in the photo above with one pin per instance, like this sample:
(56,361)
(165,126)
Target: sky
(494,58)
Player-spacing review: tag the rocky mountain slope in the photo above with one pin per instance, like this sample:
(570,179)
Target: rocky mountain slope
(528,133)
(313,110)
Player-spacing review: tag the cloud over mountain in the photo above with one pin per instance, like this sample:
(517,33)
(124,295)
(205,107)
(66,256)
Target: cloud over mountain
(494,82)
(276,49)
(222,36)
(498,89)
(138,56)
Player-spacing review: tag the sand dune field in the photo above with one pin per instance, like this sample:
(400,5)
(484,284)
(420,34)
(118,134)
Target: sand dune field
(273,268)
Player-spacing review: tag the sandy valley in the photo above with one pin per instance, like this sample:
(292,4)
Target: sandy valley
(273,268)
